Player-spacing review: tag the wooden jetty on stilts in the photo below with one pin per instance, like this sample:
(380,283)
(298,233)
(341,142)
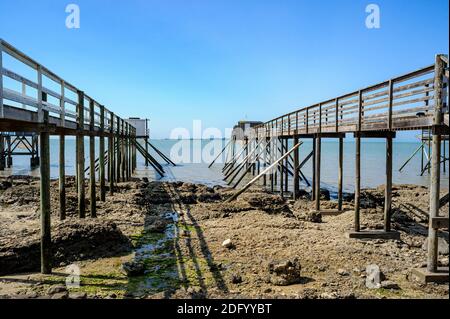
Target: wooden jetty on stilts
(414,101)
(68,112)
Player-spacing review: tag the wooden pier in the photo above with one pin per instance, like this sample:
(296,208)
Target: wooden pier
(49,105)
(414,101)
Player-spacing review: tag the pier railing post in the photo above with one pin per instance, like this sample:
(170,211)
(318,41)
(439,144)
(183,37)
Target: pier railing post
(102,154)
(111,155)
(296,168)
(62,178)
(92,195)
(317,174)
(62,158)
(80,156)
(432,259)
(46,251)
(357,181)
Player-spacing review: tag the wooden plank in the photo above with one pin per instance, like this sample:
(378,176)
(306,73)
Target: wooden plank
(46,242)
(102,155)
(236,195)
(388,188)
(80,158)
(62,178)
(432,255)
(439,222)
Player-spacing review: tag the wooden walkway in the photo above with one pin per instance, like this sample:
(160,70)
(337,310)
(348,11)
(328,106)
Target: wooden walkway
(414,101)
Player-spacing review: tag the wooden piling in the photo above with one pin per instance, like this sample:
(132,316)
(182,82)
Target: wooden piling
(341,172)
(111,155)
(388,188)
(313,186)
(92,193)
(62,178)
(80,156)
(357,182)
(281,166)
(46,250)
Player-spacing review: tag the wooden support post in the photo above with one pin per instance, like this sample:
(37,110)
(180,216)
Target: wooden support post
(92,193)
(62,178)
(101,155)
(357,182)
(80,156)
(296,179)
(432,258)
(146,141)
(388,188)
(422,151)
(2,152)
(341,172)
(111,155)
(268,169)
(313,187)
(317,172)
(46,250)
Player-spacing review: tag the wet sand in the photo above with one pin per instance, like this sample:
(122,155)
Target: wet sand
(165,240)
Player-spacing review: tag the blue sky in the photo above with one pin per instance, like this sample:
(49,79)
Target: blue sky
(223,61)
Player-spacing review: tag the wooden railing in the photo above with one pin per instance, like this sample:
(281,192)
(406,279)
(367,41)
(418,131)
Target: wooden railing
(401,103)
(49,92)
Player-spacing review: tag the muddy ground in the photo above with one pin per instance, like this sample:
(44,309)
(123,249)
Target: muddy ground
(166,240)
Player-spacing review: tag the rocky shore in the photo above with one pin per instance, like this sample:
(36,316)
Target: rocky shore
(179,240)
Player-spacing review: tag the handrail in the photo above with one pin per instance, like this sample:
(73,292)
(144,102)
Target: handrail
(96,116)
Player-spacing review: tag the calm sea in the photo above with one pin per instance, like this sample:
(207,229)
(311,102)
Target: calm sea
(194,157)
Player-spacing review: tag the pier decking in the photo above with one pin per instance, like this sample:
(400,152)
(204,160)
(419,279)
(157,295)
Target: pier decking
(50,105)
(414,101)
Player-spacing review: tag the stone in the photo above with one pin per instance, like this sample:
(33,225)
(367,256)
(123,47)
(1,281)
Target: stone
(56,289)
(185,233)
(387,284)
(285,273)
(227,244)
(374,276)
(324,194)
(442,245)
(133,268)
